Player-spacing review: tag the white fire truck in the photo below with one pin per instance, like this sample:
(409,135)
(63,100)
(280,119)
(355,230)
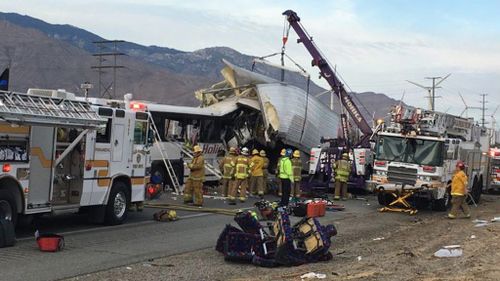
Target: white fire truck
(494,169)
(60,153)
(416,154)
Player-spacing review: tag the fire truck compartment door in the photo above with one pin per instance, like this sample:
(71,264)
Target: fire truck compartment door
(41,166)
(118,142)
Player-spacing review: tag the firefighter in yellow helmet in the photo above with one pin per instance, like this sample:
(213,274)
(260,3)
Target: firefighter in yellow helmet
(257,175)
(297,174)
(342,172)
(227,167)
(282,155)
(264,169)
(241,178)
(194,184)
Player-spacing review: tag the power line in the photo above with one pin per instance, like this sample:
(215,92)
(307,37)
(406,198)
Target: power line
(103,47)
(483,109)
(432,89)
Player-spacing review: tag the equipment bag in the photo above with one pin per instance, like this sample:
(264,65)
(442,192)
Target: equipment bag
(7,233)
(299,210)
(219,247)
(239,246)
(249,222)
(165,215)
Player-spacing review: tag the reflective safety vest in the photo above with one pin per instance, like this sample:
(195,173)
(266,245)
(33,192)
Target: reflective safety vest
(297,169)
(256,166)
(285,170)
(342,170)
(241,171)
(227,167)
(197,167)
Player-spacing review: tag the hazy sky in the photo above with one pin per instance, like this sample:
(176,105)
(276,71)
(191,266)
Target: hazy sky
(376,44)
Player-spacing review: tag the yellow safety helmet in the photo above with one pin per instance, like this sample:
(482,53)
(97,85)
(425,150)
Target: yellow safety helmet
(197,149)
(283,152)
(255,152)
(232,150)
(296,154)
(345,156)
(263,153)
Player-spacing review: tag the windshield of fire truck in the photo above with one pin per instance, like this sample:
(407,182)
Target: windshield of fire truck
(410,150)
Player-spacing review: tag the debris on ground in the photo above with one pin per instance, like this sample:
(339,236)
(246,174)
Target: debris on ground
(359,258)
(378,238)
(451,251)
(495,219)
(313,275)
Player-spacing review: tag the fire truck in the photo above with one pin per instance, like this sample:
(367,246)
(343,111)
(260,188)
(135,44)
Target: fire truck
(494,169)
(61,153)
(416,154)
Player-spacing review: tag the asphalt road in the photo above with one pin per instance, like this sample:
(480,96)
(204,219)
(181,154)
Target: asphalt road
(90,248)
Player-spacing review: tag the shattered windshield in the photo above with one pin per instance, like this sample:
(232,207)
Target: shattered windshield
(410,150)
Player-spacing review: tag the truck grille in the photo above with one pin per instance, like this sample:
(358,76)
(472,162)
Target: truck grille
(402,175)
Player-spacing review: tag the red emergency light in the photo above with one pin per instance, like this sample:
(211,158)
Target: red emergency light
(137,106)
(379,163)
(6,168)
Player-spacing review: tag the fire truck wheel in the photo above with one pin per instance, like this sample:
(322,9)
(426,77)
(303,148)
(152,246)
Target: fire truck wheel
(443,204)
(116,210)
(8,208)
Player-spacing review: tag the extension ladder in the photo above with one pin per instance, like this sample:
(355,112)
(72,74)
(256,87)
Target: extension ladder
(47,110)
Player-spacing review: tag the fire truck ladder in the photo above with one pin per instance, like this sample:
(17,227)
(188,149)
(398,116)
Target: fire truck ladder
(46,110)
(168,165)
(189,153)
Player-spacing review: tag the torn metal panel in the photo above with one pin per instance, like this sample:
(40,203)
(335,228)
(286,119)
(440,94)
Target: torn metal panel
(295,117)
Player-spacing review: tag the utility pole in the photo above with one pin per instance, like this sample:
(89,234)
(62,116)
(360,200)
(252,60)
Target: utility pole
(432,89)
(483,109)
(107,48)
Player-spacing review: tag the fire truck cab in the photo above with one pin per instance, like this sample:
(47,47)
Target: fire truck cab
(61,153)
(418,152)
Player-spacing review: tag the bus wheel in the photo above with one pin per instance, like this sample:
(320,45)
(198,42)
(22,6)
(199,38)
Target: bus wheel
(8,208)
(116,210)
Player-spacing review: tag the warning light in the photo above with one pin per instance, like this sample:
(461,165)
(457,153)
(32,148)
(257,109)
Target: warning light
(137,106)
(6,168)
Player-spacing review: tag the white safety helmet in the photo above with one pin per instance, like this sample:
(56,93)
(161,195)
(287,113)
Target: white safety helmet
(244,151)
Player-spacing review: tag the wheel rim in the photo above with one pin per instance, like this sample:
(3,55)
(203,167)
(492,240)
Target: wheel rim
(5,210)
(119,204)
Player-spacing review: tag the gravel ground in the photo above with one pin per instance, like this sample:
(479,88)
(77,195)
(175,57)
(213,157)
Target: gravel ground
(404,253)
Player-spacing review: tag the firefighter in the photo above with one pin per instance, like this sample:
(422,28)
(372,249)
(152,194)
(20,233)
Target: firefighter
(342,171)
(194,184)
(458,192)
(282,155)
(264,169)
(285,175)
(227,167)
(241,178)
(297,174)
(257,174)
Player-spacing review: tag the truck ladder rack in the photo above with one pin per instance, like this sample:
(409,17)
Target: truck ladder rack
(21,108)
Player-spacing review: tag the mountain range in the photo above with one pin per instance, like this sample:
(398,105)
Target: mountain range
(44,55)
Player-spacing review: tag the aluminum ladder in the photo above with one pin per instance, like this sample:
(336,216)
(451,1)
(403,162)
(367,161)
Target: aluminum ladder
(189,154)
(47,110)
(164,156)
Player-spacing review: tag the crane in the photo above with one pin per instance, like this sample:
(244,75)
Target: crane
(329,75)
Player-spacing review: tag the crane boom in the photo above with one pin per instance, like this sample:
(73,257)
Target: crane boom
(327,72)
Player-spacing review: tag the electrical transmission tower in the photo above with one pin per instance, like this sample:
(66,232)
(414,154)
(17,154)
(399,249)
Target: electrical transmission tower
(432,89)
(106,49)
(483,110)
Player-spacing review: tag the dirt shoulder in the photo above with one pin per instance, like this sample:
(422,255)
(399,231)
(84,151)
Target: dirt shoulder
(405,252)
